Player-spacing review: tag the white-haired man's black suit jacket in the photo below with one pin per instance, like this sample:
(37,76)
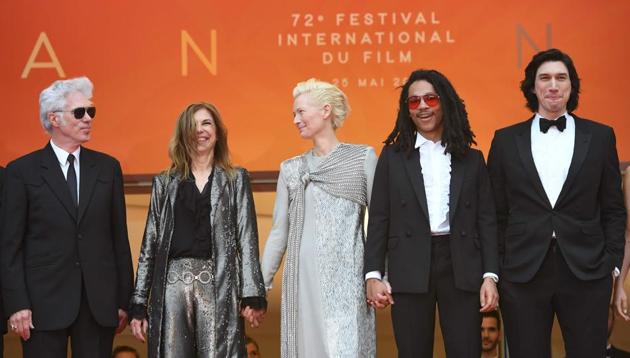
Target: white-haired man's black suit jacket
(54,253)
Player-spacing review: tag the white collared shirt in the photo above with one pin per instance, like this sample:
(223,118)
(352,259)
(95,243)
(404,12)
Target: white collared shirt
(62,158)
(436,174)
(552,153)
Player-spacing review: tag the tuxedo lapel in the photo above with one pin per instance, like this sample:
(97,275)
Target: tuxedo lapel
(87,181)
(524,146)
(53,176)
(458,173)
(580,149)
(414,173)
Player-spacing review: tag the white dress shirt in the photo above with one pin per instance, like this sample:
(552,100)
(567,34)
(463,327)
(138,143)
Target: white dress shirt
(436,174)
(62,158)
(552,153)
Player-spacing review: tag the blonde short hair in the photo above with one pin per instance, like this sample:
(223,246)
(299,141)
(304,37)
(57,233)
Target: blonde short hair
(326,93)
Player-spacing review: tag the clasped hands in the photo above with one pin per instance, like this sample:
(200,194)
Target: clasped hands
(379,294)
(253,316)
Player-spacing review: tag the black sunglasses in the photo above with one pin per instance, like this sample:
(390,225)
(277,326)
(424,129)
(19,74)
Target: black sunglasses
(79,112)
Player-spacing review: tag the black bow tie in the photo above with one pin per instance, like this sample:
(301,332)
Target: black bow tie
(545,124)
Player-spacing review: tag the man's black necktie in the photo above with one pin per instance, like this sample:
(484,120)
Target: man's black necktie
(72,180)
(545,124)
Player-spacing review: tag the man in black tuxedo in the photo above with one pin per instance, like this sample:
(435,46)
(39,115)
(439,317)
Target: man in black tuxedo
(561,216)
(432,222)
(66,263)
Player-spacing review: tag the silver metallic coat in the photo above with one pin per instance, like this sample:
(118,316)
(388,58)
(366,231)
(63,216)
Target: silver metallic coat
(235,252)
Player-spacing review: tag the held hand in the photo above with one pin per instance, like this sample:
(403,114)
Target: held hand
(21,323)
(379,293)
(253,316)
(620,301)
(139,328)
(122,320)
(488,295)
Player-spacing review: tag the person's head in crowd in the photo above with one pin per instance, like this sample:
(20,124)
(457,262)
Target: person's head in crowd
(490,333)
(252,347)
(318,108)
(551,85)
(125,352)
(430,106)
(66,111)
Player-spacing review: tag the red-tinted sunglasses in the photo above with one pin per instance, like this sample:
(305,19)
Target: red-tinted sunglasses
(79,112)
(430,99)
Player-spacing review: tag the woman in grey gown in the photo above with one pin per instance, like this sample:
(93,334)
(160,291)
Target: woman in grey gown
(318,221)
(198,269)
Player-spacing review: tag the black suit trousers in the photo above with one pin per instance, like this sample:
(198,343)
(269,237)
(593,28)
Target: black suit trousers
(413,315)
(580,306)
(88,338)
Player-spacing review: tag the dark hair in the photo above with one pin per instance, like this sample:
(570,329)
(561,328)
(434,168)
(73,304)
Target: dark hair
(121,349)
(457,137)
(527,85)
(493,314)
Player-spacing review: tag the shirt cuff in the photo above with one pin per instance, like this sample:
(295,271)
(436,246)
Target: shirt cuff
(256,302)
(492,275)
(373,274)
(616,272)
(138,311)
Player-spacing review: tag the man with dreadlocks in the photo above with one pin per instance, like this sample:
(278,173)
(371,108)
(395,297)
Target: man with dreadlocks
(432,223)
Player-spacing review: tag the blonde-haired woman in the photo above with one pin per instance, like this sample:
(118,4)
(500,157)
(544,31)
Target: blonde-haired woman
(198,269)
(318,220)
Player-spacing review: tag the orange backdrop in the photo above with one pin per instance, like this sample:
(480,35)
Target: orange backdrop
(149,59)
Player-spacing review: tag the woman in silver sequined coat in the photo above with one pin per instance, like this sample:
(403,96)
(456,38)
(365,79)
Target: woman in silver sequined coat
(198,270)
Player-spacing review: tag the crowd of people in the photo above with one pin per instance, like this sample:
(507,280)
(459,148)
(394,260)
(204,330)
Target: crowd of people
(539,230)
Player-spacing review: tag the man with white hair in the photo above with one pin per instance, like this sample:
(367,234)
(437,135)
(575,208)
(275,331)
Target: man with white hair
(66,264)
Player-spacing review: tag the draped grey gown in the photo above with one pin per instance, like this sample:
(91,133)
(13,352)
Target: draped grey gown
(328,317)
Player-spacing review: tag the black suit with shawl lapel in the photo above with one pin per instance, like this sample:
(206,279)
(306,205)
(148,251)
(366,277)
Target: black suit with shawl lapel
(399,242)
(588,220)
(56,257)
